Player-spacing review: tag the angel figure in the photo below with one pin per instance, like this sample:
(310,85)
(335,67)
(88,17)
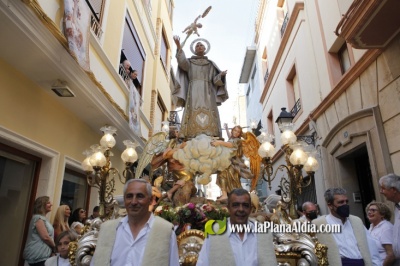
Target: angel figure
(157,152)
(192,28)
(229,179)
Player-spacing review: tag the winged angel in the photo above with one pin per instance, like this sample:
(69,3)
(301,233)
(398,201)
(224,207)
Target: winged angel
(192,28)
(159,151)
(201,157)
(241,144)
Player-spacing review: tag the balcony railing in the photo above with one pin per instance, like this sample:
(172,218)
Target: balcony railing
(296,108)
(96,28)
(125,76)
(266,76)
(359,24)
(284,24)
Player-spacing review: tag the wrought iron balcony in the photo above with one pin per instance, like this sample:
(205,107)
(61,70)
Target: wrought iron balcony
(266,76)
(284,24)
(296,108)
(96,28)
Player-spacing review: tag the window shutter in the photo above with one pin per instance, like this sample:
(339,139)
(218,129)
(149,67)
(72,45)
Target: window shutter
(96,6)
(164,50)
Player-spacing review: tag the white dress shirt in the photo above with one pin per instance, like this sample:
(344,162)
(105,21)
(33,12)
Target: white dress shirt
(63,262)
(244,251)
(396,235)
(129,251)
(346,241)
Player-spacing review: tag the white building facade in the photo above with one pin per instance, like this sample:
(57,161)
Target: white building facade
(339,81)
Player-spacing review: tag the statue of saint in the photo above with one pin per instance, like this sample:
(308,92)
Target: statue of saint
(202,88)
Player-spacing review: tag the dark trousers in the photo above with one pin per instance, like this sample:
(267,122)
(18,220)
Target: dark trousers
(352,262)
(41,263)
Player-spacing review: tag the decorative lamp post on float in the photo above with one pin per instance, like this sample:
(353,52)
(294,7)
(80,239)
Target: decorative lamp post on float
(97,161)
(298,157)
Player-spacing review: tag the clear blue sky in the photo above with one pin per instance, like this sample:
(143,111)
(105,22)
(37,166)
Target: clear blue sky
(229,27)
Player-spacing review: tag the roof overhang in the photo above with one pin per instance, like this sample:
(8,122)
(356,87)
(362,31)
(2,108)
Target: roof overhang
(247,64)
(370,24)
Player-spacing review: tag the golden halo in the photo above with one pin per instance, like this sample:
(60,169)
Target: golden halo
(208,47)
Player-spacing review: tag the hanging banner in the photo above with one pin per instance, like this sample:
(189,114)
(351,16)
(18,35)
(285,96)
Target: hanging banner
(77,30)
(135,102)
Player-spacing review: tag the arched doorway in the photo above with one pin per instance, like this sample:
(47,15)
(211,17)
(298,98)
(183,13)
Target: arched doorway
(357,179)
(355,156)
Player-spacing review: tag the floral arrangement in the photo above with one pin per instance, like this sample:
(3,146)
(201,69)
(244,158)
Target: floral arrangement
(214,213)
(168,213)
(191,215)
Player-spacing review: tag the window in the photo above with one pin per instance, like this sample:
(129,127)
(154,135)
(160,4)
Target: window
(296,92)
(133,51)
(164,51)
(283,16)
(270,123)
(296,88)
(248,95)
(264,64)
(293,90)
(75,190)
(19,173)
(254,78)
(344,58)
(266,76)
(170,9)
(96,7)
(284,23)
(159,114)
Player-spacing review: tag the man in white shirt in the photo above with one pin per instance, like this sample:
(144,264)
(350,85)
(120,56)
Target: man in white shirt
(244,248)
(353,245)
(310,212)
(390,188)
(139,238)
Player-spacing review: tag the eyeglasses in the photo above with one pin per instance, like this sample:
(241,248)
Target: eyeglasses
(82,211)
(372,210)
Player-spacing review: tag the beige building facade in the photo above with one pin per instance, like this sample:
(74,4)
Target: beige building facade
(43,135)
(340,79)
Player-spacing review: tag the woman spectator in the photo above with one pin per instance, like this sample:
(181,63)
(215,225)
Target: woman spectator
(62,243)
(60,223)
(40,242)
(79,215)
(381,230)
(134,76)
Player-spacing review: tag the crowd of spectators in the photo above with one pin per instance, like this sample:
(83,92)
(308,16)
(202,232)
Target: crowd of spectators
(47,244)
(354,245)
(129,74)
